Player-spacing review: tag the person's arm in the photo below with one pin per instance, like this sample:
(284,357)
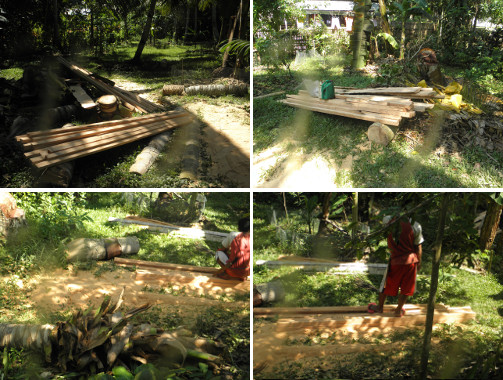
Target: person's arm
(419,252)
(224,267)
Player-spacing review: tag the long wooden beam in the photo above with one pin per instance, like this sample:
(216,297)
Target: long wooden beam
(158,265)
(267,311)
(372,268)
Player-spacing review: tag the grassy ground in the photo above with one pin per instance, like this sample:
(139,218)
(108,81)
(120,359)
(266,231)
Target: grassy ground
(182,65)
(408,161)
(459,351)
(55,219)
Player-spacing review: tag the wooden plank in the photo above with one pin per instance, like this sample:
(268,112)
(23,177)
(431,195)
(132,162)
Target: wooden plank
(85,100)
(105,145)
(160,222)
(57,131)
(346,104)
(143,105)
(169,266)
(183,231)
(372,268)
(368,116)
(383,90)
(268,95)
(88,142)
(266,311)
(45,141)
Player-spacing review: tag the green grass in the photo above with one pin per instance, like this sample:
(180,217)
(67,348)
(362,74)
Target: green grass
(402,164)
(12,73)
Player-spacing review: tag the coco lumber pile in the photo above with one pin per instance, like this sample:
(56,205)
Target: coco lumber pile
(55,146)
(130,100)
(383,105)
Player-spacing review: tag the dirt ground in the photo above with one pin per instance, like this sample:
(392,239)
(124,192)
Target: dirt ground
(226,133)
(72,289)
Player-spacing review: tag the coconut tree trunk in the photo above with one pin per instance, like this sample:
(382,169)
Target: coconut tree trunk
(231,34)
(187,18)
(490,225)
(322,230)
(55,25)
(433,288)
(358,61)
(385,24)
(354,220)
(402,40)
(146,31)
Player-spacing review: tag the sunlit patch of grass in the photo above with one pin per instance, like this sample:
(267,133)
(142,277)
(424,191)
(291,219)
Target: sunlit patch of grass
(12,73)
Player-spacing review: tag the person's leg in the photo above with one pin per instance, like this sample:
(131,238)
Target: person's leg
(379,308)
(402,298)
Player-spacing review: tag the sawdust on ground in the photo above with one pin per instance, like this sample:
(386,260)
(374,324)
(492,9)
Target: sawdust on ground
(70,289)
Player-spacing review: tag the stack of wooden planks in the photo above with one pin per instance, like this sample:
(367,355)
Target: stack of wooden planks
(56,146)
(384,105)
(129,99)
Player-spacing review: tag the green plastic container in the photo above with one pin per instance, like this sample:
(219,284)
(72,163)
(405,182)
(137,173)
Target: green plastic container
(327,90)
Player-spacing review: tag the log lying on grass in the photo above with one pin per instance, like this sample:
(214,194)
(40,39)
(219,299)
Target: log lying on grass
(372,268)
(157,265)
(55,146)
(150,153)
(101,249)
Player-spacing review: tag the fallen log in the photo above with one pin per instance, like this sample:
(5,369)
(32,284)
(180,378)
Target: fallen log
(218,89)
(150,153)
(101,249)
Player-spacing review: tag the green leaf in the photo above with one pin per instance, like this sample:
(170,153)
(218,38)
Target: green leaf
(122,373)
(389,38)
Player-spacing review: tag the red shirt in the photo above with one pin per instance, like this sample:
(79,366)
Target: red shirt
(403,252)
(240,252)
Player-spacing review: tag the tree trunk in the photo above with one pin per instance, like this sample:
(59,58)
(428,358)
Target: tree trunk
(126,27)
(490,225)
(91,29)
(195,20)
(231,34)
(322,229)
(358,61)
(55,25)
(433,288)
(214,26)
(385,25)
(402,40)
(146,32)
(354,220)
(187,18)
(284,205)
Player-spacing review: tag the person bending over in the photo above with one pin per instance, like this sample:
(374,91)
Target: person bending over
(234,256)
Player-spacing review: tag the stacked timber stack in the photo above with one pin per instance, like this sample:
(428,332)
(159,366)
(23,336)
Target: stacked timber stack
(130,100)
(384,105)
(52,147)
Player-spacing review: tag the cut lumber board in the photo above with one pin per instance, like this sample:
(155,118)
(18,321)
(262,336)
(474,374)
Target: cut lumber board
(65,152)
(183,231)
(141,104)
(381,90)
(347,104)
(203,283)
(266,311)
(85,100)
(372,268)
(368,116)
(158,265)
(270,94)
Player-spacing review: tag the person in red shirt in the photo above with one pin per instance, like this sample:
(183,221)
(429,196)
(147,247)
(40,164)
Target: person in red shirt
(406,252)
(234,256)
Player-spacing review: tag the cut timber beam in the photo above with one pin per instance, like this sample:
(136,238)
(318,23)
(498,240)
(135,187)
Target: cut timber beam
(372,268)
(357,321)
(157,265)
(85,100)
(267,311)
(182,231)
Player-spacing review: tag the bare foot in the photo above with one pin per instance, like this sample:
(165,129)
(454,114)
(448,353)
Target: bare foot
(398,312)
(376,308)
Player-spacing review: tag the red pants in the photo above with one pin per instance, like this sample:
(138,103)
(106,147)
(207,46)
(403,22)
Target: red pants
(403,277)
